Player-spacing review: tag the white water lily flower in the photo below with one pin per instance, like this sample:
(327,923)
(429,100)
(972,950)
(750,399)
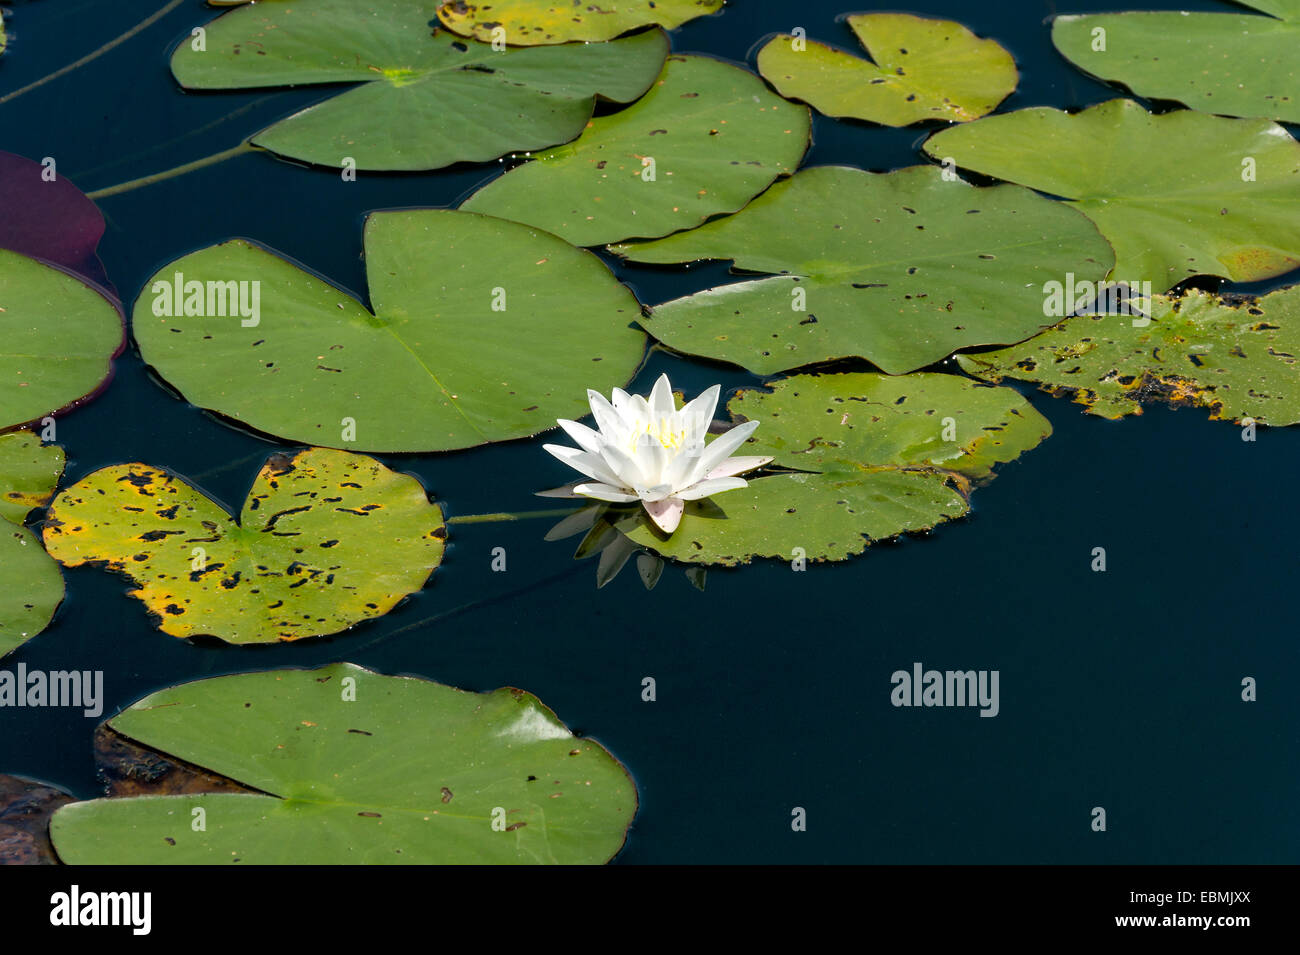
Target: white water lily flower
(649,450)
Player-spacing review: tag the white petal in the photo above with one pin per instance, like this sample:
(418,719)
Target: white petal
(662,404)
(720,448)
(697,414)
(680,471)
(587,439)
(712,486)
(666,513)
(737,465)
(628,470)
(607,419)
(605,492)
(652,458)
(592,465)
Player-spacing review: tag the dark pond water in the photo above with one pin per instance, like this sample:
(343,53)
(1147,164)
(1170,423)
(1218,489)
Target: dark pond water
(1118,689)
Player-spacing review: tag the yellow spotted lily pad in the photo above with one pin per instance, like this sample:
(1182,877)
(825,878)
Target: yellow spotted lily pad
(325,540)
(1239,358)
(923,69)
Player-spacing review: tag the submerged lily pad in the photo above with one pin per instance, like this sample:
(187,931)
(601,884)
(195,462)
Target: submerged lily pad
(49,219)
(537,22)
(706,139)
(886,455)
(1177,194)
(58,337)
(1238,359)
(923,69)
(31,586)
(25,810)
(899,268)
(426,101)
(325,540)
(482,330)
(1228,63)
(355,767)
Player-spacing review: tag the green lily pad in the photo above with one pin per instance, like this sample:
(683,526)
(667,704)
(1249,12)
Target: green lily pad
(705,140)
(923,69)
(325,540)
(538,22)
(1227,63)
(1238,359)
(882,455)
(355,767)
(31,586)
(424,101)
(482,330)
(899,268)
(58,337)
(1225,207)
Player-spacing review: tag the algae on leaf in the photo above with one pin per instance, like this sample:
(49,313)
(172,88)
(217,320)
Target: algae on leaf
(354,767)
(1236,357)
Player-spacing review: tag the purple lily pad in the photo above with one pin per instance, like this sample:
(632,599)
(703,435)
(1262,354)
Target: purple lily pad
(49,220)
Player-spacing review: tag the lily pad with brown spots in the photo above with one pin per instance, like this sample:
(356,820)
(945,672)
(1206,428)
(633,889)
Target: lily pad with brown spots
(1237,357)
(326,539)
(31,585)
(876,456)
